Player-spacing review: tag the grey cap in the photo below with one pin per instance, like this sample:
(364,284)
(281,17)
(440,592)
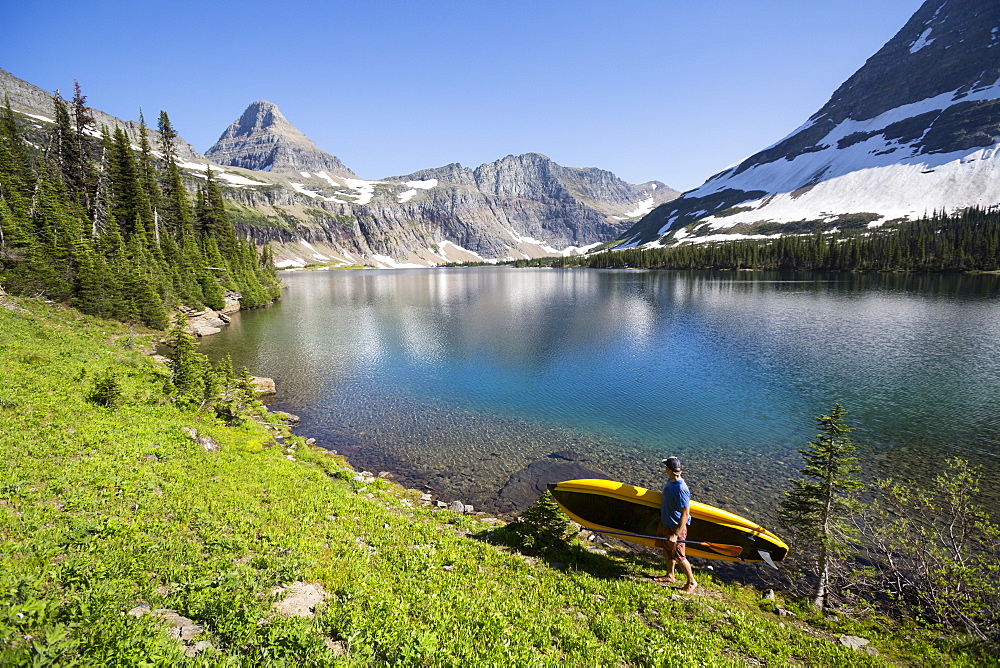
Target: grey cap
(672,463)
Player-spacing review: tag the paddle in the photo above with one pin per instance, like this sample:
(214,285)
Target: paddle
(728,550)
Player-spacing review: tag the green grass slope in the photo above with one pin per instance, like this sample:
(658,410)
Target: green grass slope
(125,542)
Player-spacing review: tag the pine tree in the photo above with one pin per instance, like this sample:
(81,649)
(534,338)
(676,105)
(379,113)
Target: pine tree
(90,288)
(16,173)
(147,171)
(187,366)
(128,202)
(816,509)
(146,302)
(83,176)
(175,206)
(57,230)
(62,142)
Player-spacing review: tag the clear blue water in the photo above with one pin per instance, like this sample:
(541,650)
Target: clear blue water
(462,377)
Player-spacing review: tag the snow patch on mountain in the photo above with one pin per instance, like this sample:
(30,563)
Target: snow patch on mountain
(579,250)
(365,189)
(386,262)
(520,239)
(414,186)
(302,190)
(329,179)
(237,180)
(910,189)
(922,41)
(201,170)
(291,262)
(316,254)
(641,208)
(709,238)
(446,251)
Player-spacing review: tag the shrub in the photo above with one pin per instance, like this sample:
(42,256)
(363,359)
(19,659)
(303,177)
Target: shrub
(542,528)
(107,390)
(934,551)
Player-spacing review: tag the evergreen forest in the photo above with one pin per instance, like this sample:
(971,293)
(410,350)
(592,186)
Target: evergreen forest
(965,241)
(90,219)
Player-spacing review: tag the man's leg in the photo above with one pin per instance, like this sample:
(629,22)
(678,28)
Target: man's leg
(668,555)
(691,583)
(680,556)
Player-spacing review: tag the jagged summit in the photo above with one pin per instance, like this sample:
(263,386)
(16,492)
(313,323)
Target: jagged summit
(263,139)
(915,130)
(537,177)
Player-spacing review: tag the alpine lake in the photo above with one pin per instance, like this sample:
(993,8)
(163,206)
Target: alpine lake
(481,382)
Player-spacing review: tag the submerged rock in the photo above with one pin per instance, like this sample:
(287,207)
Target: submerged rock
(526,485)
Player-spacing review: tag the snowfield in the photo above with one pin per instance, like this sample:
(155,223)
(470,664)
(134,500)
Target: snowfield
(877,175)
(641,208)
(415,186)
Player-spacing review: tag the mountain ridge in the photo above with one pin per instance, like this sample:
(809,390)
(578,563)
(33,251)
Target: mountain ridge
(521,206)
(914,130)
(311,208)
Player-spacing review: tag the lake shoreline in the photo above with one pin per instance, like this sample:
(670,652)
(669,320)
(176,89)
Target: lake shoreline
(459,379)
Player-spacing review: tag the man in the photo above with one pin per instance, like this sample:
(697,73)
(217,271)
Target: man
(675,515)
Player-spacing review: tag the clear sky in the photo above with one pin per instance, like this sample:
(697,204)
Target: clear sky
(667,90)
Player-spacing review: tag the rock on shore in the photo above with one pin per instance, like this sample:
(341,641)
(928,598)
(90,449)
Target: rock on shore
(209,321)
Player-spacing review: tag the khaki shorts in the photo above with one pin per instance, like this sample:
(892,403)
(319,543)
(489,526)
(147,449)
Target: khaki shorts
(679,552)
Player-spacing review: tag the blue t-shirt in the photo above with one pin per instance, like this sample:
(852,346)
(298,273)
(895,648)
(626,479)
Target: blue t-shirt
(676,497)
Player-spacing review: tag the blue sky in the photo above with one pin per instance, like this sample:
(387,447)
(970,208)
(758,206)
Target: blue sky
(667,90)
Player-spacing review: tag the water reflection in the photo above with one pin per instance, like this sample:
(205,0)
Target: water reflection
(462,377)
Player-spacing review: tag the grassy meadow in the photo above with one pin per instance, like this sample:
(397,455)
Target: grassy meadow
(114,521)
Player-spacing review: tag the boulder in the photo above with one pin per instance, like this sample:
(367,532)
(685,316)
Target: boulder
(179,628)
(264,386)
(207,442)
(231,302)
(206,323)
(854,642)
(289,418)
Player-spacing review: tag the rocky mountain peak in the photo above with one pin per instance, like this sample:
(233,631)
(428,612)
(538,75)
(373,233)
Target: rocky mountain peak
(263,139)
(536,176)
(263,116)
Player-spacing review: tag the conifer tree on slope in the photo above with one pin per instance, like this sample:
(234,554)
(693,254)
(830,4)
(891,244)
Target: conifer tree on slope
(176,207)
(118,257)
(83,172)
(817,508)
(147,170)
